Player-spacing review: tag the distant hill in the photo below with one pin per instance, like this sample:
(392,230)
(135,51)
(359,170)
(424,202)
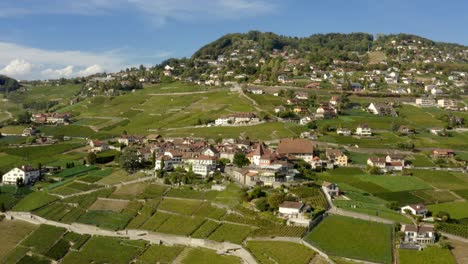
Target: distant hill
(8,84)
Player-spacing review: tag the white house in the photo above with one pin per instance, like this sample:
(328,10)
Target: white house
(291,209)
(425,102)
(415,209)
(343,132)
(364,130)
(27,173)
(305,120)
(418,234)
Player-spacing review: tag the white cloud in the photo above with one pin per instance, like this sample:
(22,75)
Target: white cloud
(17,68)
(31,63)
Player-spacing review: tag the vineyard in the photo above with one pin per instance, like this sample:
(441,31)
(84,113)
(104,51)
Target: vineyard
(312,196)
(454,229)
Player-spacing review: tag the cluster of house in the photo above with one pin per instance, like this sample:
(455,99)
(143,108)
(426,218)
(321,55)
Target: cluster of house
(381,109)
(445,103)
(52,118)
(362,130)
(237,119)
(273,167)
(389,163)
(416,236)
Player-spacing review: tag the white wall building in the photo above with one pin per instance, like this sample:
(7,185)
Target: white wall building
(27,173)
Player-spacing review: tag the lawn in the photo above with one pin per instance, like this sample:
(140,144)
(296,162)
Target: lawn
(273,252)
(457,210)
(203,256)
(370,241)
(106,250)
(432,254)
(12,232)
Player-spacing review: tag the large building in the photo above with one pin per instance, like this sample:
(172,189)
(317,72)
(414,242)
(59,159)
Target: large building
(27,174)
(296,148)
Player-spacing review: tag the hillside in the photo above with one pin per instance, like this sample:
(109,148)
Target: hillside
(8,84)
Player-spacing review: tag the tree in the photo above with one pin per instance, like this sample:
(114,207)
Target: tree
(129,160)
(240,160)
(91,158)
(275,199)
(153,158)
(262,204)
(2,207)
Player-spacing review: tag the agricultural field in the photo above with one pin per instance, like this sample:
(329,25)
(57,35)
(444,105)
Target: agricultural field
(159,253)
(202,256)
(280,252)
(12,232)
(34,200)
(457,210)
(371,241)
(432,254)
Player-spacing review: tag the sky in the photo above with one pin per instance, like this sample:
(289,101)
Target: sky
(46,39)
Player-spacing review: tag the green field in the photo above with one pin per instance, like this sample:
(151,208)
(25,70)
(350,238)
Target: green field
(432,254)
(203,256)
(34,201)
(12,232)
(280,252)
(457,210)
(371,241)
(159,253)
(43,238)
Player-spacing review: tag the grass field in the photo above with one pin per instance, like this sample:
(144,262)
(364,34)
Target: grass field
(43,238)
(159,254)
(34,201)
(203,256)
(441,179)
(106,250)
(432,254)
(111,205)
(280,252)
(457,210)
(371,241)
(12,232)
(231,233)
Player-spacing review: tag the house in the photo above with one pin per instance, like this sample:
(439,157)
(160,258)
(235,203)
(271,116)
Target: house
(29,131)
(415,209)
(425,102)
(237,119)
(378,162)
(210,151)
(381,109)
(392,158)
(446,103)
(203,165)
(337,157)
(25,173)
(423,235)
(405,130)
(305,120)
(325,112)
(331,188)
(98,146)
(335,101)
(436,91)
(128,140)
(343,132)
(291,209)
(312,85)
(442,153)
(302,96)
(151,138)
(296,148)
(261,155)
(279,109)
(363,130)
(255,91)
(356,86)
(282,79)
(300,110)
(52,118)
(436,131)
(144,154)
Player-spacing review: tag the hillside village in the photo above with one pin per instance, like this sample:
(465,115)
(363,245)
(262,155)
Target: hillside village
(257,140)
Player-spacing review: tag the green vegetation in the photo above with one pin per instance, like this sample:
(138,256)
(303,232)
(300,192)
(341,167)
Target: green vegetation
(371,241)
(34,201)
(159,253)
(202,256)
(231,233)
(431,254)
(106,250)
(206,229)
(280,252)
(456,210)
(12,232)
(43,238)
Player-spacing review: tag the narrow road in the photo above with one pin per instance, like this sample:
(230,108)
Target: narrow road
(152,237)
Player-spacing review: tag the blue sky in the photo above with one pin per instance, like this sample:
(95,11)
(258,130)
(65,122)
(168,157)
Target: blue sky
(64,38)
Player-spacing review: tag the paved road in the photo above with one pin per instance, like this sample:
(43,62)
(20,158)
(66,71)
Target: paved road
(152,237)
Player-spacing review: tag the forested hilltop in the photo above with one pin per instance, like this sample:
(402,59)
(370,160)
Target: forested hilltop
(8,84)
